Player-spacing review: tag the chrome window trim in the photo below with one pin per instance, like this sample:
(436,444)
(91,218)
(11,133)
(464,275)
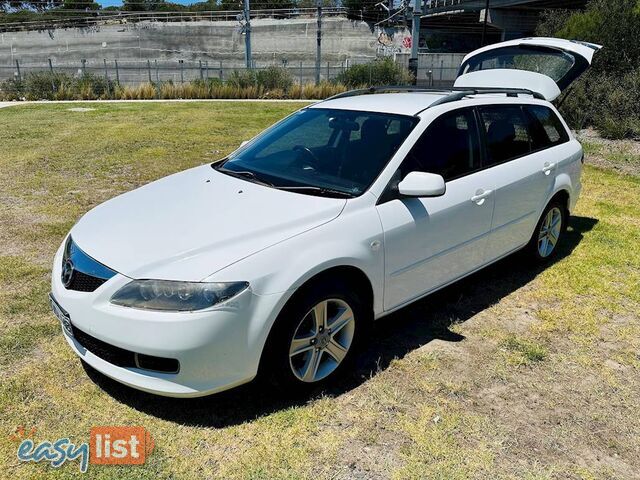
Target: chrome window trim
(84,263)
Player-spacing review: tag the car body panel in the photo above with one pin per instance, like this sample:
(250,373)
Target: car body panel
(215,348)
(396,103)
(500,69)
(430,240)
(584,49)
(536,82)
(152,233)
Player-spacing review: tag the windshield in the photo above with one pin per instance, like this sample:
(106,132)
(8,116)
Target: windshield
(322,151)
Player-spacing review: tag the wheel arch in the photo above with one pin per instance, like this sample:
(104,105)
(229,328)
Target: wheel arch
(351,273)
(563,196)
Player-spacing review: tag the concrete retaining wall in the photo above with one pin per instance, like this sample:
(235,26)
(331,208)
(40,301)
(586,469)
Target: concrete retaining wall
(273,40)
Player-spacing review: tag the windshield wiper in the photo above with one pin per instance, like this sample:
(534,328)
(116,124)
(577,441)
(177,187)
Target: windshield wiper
(245,174)
(248,175)
(317,190)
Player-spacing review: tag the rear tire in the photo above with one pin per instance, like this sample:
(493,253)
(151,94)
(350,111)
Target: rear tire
(316,336)
(544,242)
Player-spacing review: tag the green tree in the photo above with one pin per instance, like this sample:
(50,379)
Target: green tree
(143,5)
(614,24)
(38,5)
(80,5)
(608,97)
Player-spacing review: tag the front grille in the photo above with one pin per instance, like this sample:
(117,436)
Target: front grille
(80,272)
(82,282)
(109,353)
(122,357)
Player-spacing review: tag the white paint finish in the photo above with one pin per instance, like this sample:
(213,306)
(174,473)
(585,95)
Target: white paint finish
(215,348)
(429,241)
(521,188)
(422,184)
(579,48)
(536,82)
(398,103)
(194,223)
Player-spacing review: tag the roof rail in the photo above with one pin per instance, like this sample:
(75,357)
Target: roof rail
(460,93)
(388,89)
(453,94)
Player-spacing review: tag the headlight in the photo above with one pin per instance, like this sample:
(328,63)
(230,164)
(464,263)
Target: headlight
(175,296)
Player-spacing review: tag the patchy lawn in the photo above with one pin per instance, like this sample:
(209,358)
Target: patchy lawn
(512,373)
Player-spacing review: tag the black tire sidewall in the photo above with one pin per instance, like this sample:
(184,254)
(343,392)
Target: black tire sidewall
(275,366)
(534,254)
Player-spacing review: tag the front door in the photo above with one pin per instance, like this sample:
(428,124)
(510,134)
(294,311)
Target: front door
(430,242)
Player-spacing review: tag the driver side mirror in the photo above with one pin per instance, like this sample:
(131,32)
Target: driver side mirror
(422,184)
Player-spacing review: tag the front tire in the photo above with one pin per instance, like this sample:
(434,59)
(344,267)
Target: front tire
(543,245)
(316,336)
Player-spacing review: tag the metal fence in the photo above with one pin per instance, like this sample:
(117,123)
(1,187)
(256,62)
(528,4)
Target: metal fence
(433,69)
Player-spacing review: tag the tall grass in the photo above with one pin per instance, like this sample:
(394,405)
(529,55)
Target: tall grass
(47,86)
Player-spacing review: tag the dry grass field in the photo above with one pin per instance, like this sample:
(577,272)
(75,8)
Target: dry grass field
(511,373)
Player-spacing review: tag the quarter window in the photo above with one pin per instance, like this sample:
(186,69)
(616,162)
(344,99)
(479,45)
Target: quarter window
(546,128)
(506,133)
(449,147)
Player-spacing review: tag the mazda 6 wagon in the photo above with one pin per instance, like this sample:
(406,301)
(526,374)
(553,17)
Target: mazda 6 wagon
(277,259)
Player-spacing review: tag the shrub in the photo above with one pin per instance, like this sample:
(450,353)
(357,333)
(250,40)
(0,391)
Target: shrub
(12,89)
(57,86)
(44,85)
(274,78)
(92,87)
(242,79)
(379,72)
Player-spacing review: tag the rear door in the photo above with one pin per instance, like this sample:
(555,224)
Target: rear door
(520,144)
(547,66)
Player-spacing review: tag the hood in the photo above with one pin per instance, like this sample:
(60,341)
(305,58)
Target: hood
(194,223)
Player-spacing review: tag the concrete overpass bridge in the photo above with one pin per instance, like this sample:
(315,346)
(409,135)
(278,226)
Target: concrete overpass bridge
(457,25)
(432,7)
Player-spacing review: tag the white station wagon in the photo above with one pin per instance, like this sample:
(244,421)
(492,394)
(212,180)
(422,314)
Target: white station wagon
(277,258)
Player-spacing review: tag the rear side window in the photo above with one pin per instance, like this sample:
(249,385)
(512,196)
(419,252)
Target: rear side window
(546,128)
(506,133)
(448,147)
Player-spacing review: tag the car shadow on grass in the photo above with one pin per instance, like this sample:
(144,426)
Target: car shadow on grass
(392,337)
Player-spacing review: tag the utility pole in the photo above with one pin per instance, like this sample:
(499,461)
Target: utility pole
(415,38)
(484,26)
(319,41)
(247,33)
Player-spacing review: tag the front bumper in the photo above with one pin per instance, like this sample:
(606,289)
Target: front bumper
(217,349)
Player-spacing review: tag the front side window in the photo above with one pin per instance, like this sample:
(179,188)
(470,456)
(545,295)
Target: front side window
(322,151)
(545,127)
(448,147)
(506,133)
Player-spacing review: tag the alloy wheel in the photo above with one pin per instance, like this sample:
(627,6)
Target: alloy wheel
(549,232)
(321,340)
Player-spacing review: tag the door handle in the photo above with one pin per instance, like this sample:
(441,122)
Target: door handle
(480,196)
(548,167)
